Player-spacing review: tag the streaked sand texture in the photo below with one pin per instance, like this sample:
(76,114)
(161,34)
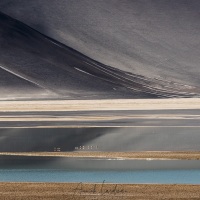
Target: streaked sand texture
(98,113)
(116,104)
(76,191)
(153,38)
(187,155)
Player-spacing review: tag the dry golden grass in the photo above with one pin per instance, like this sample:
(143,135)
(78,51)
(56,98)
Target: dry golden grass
(75,191)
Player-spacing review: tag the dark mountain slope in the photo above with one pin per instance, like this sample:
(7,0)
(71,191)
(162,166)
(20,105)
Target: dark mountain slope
(61,72)
(153,38)
(13,86)
(46,64)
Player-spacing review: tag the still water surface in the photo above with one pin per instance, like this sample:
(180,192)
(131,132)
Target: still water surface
(143,176)
(97,170)
(101,139)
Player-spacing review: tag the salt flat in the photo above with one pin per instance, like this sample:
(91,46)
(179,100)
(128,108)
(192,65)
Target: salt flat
(136,155)
(88,105)
(98,113)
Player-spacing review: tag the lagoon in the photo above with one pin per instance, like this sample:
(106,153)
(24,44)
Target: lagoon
(100,139)
(99,170)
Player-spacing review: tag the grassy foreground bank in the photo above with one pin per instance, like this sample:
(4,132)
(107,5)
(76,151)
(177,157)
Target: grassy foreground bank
(92,191)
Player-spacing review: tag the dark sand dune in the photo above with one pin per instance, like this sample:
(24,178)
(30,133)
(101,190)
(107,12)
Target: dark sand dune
(19,86)
(152,47)
(158,39)
(57,69)
(150,37)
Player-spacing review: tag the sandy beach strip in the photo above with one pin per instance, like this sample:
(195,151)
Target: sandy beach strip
(92,191)
(114,104)
(149,155)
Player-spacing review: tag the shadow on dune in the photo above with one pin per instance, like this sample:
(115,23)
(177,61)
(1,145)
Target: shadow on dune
(33,61)
(33,65)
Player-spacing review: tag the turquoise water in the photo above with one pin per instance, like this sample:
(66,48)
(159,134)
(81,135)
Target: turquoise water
(120,176)
(49,169)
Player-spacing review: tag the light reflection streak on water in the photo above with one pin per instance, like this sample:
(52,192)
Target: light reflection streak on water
(100,139)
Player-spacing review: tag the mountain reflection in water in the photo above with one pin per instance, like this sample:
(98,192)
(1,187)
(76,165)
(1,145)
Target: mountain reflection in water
(100,139)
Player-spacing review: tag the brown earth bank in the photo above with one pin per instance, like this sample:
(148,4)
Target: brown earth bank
(92,191)
(185,155)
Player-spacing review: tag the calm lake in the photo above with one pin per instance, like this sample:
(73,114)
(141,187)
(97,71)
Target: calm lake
(100,139)
(39,169)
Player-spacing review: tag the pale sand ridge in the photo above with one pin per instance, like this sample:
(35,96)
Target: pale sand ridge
(115,104)
(156,155)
